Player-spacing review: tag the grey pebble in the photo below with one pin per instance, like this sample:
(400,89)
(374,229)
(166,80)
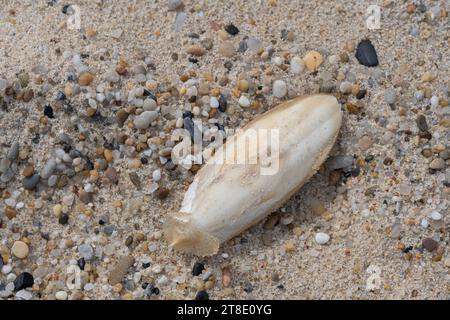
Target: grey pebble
(143,120)
(48,169)
(30,183)
(7,175)
(13,152)
(86,252)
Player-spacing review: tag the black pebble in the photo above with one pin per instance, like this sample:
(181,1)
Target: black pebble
(145,265)
(361,94)
(198,269)
(24,280)
(48,112)
(366,54)
(202,295)
(81,263)
(228,65)
(232,29)
(222,103)
(63,219)
(193,60)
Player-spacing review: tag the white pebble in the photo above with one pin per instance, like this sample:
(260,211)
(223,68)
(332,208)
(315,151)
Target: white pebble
(244,102)
(424,223)
(345,87)
(322,238)
(297,65)
(277,61)
(149,104)
(6,269)
(143,120)
(214,103)
(61,295)
(434,101)
(279,89)
(156,175)
(436,216)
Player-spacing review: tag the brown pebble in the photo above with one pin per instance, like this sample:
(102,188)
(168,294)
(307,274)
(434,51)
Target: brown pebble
(85,79)
(28,170)
(162,193)
(121,70)
(226,277)
(111,174)
(227,49)
(134,178)
(28,94)
(429,244)
(271,222)
(10,213)
(121,117)
(85,197)
(120,270)
(195,50)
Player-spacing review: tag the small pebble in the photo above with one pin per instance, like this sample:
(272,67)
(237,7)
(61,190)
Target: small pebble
(120,270)
(429,244)
(366,54)
(61,295)
(20,249)
(279,89)
(435,215)
(86,252)
(244,102)
(143,120)
(23,281)
(322,238)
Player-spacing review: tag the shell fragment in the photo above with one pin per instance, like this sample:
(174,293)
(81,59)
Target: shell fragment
(282,149)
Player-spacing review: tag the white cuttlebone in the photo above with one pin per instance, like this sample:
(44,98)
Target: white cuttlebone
(225,199)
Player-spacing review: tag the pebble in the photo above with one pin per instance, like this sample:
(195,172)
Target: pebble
(390,96)
(156,175)
(149,104)
(112,76)
(435,215)
(434,101)
(111,174)
(366,54)
(345,87)
(23,281)
(322,238)
(312,60)
(20,249)
(162,193)
(244,102)
(254,44)
(48,169)
(61,295)
(86,252)
(143,120)
(120,270)
(421,122)
(437,164)
(85,79)
(197,269)
(214,103)
(232,29)
(227,49)
(279,89)
(424,223)
(365,143)
(24,295)
(30,183)
(222,103)
(297,65)
(195,50)
(429,244)
(13,152)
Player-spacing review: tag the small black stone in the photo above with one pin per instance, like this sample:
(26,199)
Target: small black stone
(232,29)
(145,265)
(228,65)
(144,285)
(188,124)
(48,112)
(361,94)
(198,269)
(407,249)
(144,160)
(366,54)
(63,219)
(155,290)
(202,295)
(192,99)
(81,263)
(421,122)
(369,158)
(101,222)
(193,60)
(222,104)
(24,280)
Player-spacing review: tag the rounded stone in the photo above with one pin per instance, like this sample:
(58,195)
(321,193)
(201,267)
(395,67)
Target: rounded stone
(30,183)
(279,89)
(20,249)
(143,120)
(322,238)
(48,169)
